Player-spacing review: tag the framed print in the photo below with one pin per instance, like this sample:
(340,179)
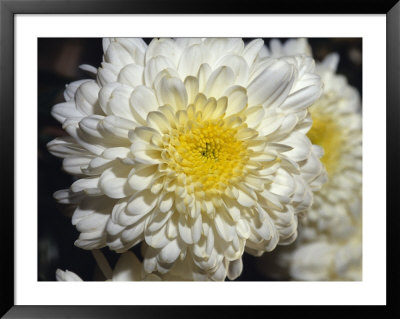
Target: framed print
(173,155)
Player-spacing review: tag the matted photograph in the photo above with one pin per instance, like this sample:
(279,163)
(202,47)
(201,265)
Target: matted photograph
(165,160)
(200,159)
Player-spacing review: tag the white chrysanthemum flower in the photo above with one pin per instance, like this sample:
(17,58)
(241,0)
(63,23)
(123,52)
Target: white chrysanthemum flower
(127,268)
(197,147)
(332,228)
(329,246)
(328,258)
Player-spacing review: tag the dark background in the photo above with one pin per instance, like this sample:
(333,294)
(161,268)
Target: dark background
(58,61)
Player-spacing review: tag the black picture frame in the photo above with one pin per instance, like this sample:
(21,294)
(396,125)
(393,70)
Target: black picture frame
(8,10)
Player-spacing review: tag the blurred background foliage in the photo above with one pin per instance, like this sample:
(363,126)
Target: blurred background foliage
(58,61)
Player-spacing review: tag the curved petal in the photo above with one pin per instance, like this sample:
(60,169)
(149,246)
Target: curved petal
(172,91)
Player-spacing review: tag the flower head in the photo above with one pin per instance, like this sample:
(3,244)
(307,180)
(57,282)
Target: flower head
(196,147)
(333,226)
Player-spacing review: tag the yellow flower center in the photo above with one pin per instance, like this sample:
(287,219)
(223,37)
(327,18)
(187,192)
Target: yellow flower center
(326,133)
(209,153)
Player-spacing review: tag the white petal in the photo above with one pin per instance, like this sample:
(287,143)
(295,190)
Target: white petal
(197,229)
(191,59)
(183,43)
(97,166)
(331,61)
(245,199)
(254,116)
(131,75)
(274,81)
(66,110)
(301,147)
(86,98)
(107,73)
(115,129)
(119,102)
(66,196)
(67,276)
(232,209)
(203,75)
(105,43)
(142,203)
(243,229)
(270,122)
(235,269)
(192,88)
(88,126)
(73,165)
(134,233)
(117,54)
(209,108)
(127,268)
(91,146)
(65,147)
(225,228)
(92,222)
(283,184)
(166,203)
(116,152)
(173,92)
(159,122)
(142,102)
(113,229)
(89,244)
(142,177)
(185,231)
(70,89)
(237,99)
(157,221)
(217,47)
(86,184)
(251,50)
(170,252)
(143,150)
(158,238)
(88,68)
(163,47)
(302,98)
(154,67)
(113,181)
(238,65)
(136,47)
(220,273)
(221,79)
